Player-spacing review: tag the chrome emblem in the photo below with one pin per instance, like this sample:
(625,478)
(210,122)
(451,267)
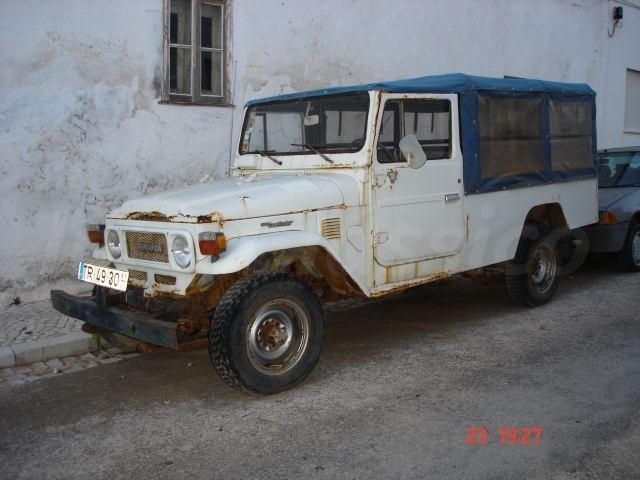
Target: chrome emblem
(150,247)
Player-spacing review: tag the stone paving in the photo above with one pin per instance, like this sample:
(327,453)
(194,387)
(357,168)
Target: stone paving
(37,323)
(33,321)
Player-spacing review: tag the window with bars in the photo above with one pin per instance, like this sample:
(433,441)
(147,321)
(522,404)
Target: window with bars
(194,45)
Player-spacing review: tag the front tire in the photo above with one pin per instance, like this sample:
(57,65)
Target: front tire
(531,277)
(266,333)
(629,257)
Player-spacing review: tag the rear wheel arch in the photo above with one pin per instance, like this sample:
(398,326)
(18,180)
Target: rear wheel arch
(550,216)
(571,244)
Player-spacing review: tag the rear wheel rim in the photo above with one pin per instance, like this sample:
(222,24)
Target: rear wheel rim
(542,269)
(277,336)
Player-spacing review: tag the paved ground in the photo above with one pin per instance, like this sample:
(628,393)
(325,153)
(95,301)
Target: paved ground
(37,342)
(399,388)
(34,332)
(26,322)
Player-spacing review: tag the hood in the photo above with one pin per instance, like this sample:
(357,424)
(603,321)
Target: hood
(610,195)
(239,197)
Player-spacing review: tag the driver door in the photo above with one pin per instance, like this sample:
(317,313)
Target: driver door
(417,212)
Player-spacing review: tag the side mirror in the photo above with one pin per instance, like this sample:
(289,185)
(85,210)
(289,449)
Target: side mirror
(412,151)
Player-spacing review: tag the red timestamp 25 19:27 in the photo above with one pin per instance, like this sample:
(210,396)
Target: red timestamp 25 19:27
(506,436)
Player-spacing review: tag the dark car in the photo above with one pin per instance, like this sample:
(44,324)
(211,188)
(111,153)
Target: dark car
(618,228)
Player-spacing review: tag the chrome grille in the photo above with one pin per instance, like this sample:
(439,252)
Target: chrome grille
(151,247)
(331,228)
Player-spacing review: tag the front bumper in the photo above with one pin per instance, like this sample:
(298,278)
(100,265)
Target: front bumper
(607,238)
(121,319)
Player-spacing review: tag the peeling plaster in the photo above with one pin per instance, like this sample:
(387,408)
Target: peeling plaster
(81,128)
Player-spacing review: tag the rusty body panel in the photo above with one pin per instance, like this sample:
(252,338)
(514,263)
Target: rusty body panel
(161,217)
(400,287)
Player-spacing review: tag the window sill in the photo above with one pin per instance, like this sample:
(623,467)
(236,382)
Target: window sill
(195,104)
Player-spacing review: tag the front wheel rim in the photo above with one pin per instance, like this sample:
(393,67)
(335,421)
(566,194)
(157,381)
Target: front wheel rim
(542,269)
(277,336)
(635,248)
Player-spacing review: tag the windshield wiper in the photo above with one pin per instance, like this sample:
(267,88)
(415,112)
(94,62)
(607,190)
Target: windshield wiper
(265,153)
(314,150)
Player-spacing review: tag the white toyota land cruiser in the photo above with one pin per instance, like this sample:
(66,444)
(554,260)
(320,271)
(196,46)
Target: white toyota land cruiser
(354,191)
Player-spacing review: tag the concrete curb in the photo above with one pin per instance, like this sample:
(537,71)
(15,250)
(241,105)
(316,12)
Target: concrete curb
(7,357)
(46,349)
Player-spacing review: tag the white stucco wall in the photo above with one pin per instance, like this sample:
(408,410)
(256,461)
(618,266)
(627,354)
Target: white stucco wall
(622,53)
(81,128)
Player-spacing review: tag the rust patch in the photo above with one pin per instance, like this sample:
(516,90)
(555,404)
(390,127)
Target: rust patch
(313,266)
(410,284)
(150,349)
(210,218)
(374,124)
(339,281)
(156,216)
(149,216)
(485,276)
(189,327)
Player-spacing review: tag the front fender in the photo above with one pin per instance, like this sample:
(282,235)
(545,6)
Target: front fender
(242,251)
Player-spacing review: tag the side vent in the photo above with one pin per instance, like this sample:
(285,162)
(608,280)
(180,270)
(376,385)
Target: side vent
(331,228)
(138,275)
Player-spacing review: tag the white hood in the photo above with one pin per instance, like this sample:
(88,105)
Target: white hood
(241,197)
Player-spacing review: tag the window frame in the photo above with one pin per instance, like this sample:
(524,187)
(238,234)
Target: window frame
(196,97)
(399,126)
(632,102)
(311,133)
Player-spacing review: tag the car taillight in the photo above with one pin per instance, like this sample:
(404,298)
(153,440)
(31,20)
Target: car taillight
(212,243)
(95,232)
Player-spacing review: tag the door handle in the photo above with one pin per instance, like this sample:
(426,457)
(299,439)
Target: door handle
(451,197)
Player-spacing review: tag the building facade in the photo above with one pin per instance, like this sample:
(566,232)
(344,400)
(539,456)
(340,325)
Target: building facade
(105,101)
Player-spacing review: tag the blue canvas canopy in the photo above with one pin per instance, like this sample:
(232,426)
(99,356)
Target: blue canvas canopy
(556,142)
(449,83)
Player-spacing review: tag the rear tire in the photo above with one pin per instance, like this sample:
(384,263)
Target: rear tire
(266,333)
(531,277)
(629,257)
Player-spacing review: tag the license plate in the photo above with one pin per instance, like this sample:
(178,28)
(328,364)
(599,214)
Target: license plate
(105,277)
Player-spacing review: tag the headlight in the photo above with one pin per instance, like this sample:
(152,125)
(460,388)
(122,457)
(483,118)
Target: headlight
(113,243)
(181,251)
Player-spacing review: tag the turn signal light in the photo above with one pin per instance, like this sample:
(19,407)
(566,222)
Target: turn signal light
(95,232)
(608,218)
(212,243)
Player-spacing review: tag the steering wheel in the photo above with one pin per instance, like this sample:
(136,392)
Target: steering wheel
(384,155)
(357,144)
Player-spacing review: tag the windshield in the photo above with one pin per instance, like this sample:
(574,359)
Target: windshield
(620,169)
(335,123)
